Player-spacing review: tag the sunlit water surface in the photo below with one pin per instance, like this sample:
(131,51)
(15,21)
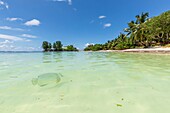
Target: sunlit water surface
(92,82)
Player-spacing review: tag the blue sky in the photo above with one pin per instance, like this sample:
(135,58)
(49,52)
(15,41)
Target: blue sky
(24,24)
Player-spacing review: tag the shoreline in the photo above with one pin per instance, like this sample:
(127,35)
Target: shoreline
(147,50)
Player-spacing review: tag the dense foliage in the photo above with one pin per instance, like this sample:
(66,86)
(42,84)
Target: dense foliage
(70,48)
(144,32)
(95,47)
(57,46)
(45,46)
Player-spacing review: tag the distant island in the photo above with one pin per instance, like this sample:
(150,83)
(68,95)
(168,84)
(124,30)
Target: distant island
(57,46)
(144,32)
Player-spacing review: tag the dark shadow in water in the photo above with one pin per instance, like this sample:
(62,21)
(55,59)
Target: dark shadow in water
(47,57)
(71,55)
(57,56)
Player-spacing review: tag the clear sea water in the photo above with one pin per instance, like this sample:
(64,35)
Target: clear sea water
(92,82)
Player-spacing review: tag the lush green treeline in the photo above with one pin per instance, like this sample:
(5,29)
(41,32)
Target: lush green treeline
(57,46)
(143,32)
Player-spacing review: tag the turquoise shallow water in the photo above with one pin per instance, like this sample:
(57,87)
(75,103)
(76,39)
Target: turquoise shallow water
(92,82)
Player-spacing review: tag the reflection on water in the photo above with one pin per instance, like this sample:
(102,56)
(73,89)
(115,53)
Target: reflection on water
(93,82)
(47,57)
(57,56)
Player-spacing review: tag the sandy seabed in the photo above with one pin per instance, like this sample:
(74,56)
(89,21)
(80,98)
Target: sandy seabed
(92,82)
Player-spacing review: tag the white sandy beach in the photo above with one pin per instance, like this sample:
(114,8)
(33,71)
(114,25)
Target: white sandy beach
(147,50)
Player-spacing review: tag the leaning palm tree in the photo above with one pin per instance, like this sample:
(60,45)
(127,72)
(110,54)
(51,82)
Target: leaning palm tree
(135,29)
(131,31)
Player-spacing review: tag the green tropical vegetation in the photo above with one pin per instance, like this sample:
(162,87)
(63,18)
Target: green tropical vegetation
(94,47)
(143,32)
(70,48)
(57,46)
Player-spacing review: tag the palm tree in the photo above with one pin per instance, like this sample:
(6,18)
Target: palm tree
(45,46)
(131,32)
(49,46)
(59,46)
(136,30)
(54,46)
(142,18)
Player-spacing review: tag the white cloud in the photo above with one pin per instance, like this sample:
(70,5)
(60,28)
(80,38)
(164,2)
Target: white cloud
(10,28)
(69,1)
(33,22)
(28,36)
(5,27)
(6,42)
(3,46)
(27,40)
(9,37)
(6,45)
(107,25)
(102,17)
(14,19)
(86,45)
(3,5)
